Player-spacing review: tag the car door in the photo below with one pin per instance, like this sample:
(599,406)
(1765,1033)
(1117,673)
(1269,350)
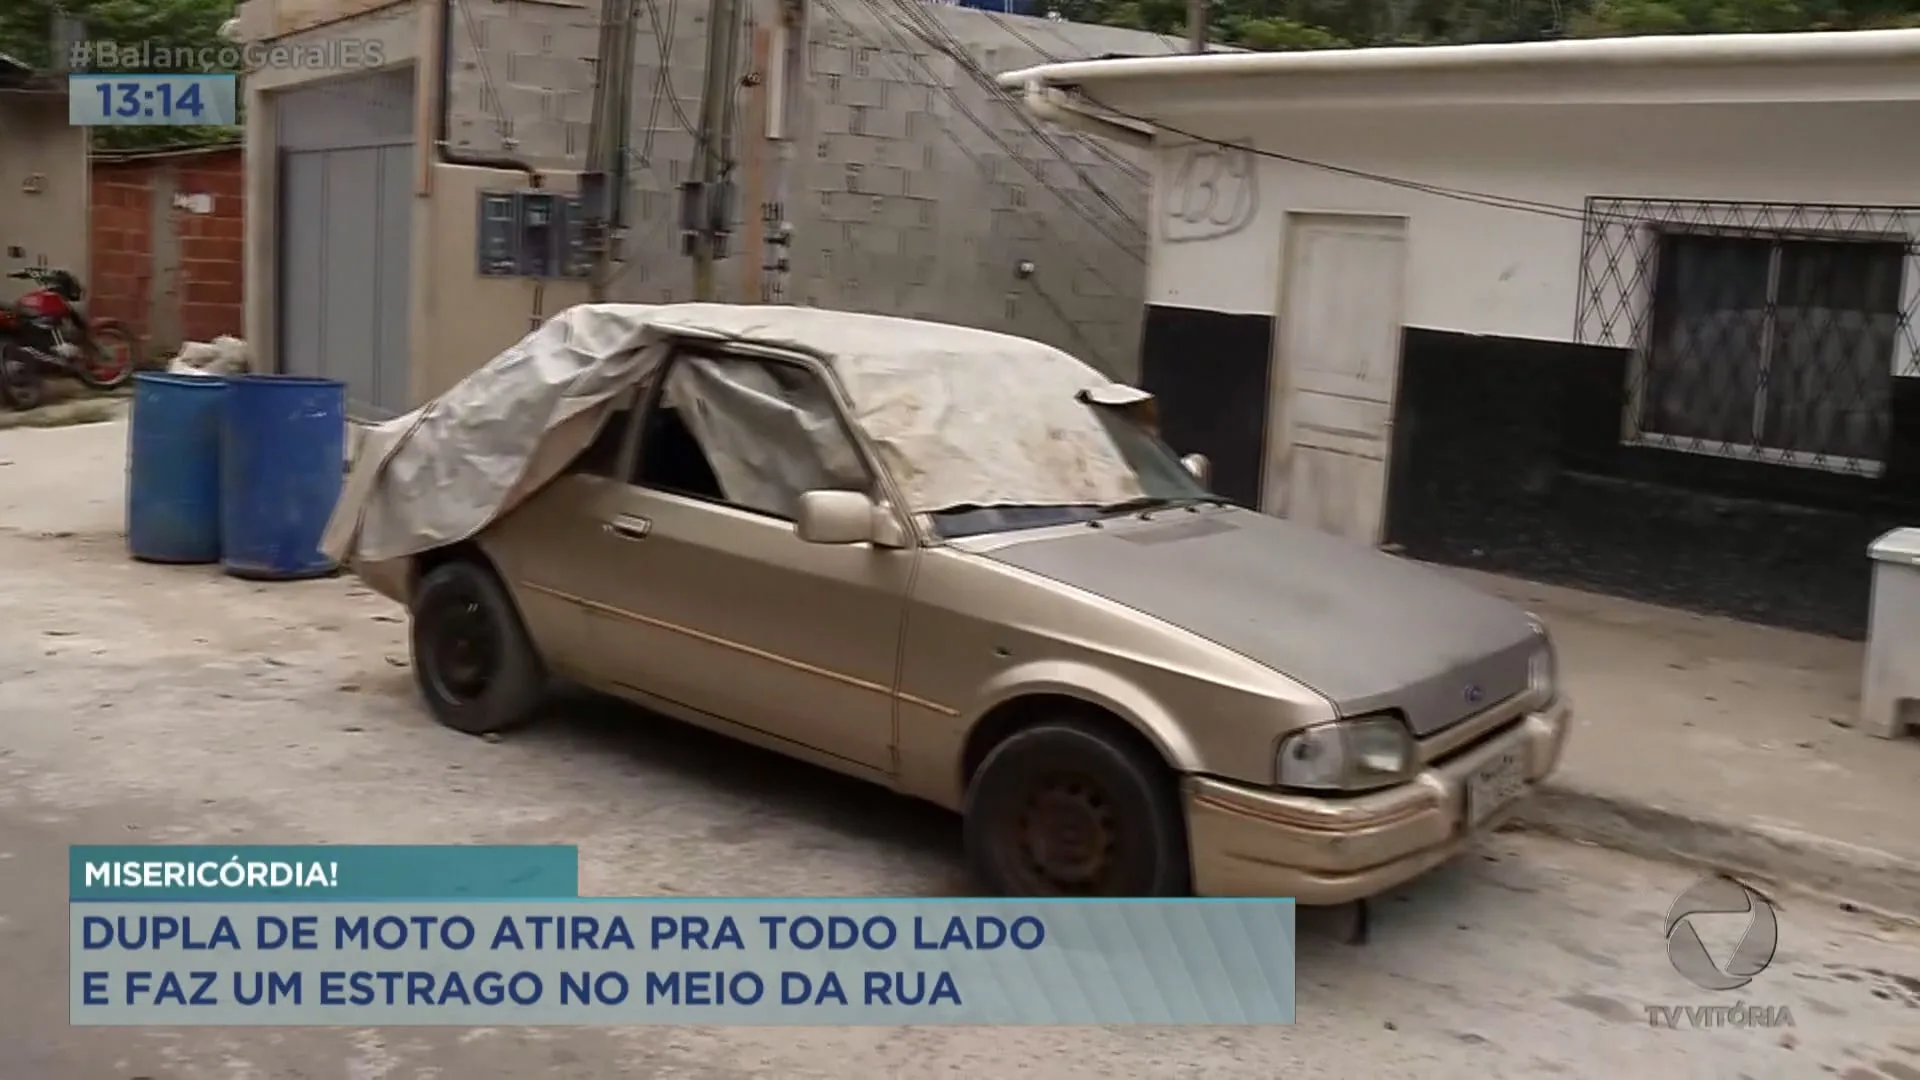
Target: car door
(547,547)
(709,600)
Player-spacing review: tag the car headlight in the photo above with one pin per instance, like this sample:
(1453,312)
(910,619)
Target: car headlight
(1543,668)
(1360,754)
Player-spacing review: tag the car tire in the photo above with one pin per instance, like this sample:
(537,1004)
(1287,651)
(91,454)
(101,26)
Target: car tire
(475,664)
(1064,808)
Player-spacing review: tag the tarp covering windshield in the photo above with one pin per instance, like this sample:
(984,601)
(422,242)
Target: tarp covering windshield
(958,417)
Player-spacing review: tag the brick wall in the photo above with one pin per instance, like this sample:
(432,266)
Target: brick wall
(166,245)
(121,247)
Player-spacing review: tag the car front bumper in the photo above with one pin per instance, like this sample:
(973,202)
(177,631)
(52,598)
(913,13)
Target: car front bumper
(1247,841)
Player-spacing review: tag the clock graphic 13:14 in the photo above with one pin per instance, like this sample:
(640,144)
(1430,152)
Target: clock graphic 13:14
(151,100)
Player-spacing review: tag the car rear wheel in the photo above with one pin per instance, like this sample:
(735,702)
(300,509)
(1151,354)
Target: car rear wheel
(1065,809)
(472,657)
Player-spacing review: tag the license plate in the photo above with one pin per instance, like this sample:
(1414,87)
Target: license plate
(1495,784)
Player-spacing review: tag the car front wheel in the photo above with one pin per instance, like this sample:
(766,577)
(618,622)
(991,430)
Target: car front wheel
(1063,808)
(472,657)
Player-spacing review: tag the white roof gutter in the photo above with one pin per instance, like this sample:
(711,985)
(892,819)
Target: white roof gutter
(1058,106)
(1692,50)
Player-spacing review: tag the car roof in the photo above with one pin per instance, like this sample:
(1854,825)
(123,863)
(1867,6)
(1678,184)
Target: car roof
(852,342)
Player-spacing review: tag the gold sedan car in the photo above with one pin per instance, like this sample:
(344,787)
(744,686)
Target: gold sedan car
(960,565)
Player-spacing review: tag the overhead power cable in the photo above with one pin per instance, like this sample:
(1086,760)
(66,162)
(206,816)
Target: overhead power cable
(901,30)
(662,93)
(1094,146)
(986,169)
(502,123)
(929,29)
(663,78)
(904,37)
(1482,198)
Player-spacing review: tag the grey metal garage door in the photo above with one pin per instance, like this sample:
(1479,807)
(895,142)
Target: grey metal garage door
(346,211)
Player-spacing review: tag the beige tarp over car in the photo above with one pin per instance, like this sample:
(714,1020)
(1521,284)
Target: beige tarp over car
(959,417)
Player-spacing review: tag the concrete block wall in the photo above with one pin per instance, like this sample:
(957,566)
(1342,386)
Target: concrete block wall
(963,189)
(522,84)
(522,78)
(917,191)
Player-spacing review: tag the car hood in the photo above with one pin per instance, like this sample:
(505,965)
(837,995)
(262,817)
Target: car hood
(1366,630)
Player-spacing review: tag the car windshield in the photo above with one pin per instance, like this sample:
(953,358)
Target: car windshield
(1163,481)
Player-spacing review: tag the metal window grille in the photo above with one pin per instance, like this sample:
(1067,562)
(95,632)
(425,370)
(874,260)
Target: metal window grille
(1762,331)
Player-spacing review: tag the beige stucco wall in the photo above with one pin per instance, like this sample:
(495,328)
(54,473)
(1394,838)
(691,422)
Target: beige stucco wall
(461,319)
(935,236)
(393,26)
(44,186)
(456,317)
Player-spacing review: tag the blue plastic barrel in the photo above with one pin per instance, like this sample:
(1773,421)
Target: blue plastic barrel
(283,455)
(173,468)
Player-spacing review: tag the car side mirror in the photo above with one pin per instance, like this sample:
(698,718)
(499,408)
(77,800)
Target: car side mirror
(844,517)
(1200,467)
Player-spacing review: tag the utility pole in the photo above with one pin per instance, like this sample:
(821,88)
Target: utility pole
(786,96)
(705,201)
(1198,12)
(603,187)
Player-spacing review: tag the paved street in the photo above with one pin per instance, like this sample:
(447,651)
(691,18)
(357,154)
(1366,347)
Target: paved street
(172,704)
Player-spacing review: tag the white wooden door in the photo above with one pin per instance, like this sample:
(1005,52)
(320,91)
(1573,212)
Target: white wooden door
(1337,357)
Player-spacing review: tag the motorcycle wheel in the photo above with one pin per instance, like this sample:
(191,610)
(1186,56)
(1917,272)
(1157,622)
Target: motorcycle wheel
(110,359)
(20,385)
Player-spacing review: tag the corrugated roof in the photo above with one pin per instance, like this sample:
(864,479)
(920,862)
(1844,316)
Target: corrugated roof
(18,76)
(221,146)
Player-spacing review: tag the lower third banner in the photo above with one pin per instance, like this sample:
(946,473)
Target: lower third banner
(621,962)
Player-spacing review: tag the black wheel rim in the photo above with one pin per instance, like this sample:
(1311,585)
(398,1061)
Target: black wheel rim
(464,649)
(111,357)
(1062,839)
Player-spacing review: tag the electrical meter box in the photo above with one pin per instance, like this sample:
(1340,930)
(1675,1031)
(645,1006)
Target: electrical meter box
(538,243)
(573,255)
(531,233)
(497,236)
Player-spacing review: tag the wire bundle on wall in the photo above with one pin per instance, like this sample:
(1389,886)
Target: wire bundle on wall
(662,93)
(1094,146)
(905,28)
(928,29)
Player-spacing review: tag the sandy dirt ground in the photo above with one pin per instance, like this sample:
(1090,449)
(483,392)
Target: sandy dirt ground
(145,703)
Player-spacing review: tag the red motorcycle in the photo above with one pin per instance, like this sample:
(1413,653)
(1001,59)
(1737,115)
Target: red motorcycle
(46,331)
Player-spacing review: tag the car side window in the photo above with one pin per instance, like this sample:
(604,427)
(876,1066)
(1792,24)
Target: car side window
(746,432)
(602,456)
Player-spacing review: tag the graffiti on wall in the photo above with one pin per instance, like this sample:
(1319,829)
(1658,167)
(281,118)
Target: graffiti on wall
(1212,190)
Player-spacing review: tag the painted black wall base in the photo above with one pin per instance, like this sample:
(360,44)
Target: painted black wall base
(1507,458)
(1209,371)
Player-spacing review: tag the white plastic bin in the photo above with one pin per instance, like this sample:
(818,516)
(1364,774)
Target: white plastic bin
(1890,696)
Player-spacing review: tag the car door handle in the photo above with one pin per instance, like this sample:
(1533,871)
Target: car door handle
(628,528)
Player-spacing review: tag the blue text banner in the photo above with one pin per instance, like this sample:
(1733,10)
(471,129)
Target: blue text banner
(624,962)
